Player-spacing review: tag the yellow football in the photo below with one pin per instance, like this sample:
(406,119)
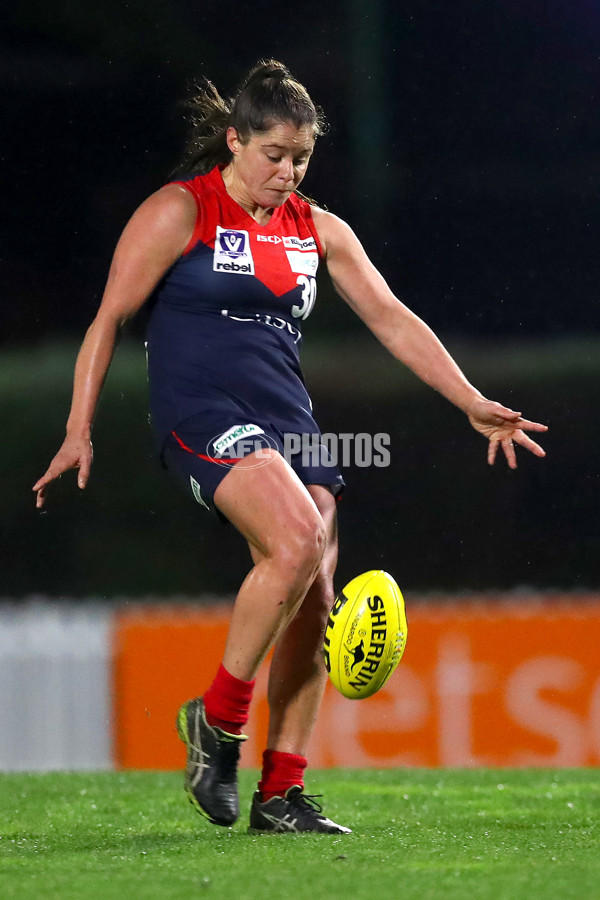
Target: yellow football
(365,634)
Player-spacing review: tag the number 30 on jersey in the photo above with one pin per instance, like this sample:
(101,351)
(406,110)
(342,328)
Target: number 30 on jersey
(309,294)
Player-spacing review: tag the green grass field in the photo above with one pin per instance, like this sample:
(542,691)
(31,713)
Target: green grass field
(417,834)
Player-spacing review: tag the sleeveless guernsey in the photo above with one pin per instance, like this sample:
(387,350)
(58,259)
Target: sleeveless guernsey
(225,329)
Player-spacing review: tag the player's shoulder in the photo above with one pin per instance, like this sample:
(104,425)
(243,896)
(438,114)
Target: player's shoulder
(332,230)
(171,203)
(166,216)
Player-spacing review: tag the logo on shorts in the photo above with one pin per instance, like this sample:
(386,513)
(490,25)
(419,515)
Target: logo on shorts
(232,436)
(197,492)
(232,252)
(239,442)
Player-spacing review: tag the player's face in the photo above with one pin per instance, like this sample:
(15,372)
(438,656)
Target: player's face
(271,164)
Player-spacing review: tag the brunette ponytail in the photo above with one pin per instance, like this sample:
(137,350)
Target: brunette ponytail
(268,94)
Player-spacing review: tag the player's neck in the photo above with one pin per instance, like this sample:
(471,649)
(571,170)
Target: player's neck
(236,190)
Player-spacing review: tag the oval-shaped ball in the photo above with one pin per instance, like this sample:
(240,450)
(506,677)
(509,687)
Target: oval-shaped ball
(365,634)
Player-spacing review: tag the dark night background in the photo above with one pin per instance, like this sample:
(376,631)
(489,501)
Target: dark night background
(464,149)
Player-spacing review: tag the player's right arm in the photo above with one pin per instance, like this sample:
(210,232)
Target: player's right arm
(153,239)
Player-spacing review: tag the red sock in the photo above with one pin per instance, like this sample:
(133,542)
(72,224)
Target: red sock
(280,772)
(227,701)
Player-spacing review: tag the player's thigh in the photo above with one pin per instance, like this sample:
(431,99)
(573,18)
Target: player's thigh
(270,506)
(327,507)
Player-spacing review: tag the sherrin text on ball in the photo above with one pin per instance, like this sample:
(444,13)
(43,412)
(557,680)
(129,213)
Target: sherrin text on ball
(365,634)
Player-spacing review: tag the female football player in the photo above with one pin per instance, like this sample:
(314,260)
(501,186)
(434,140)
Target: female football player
(229,256)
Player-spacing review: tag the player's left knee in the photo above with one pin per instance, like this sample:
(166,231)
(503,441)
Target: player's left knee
(319,600)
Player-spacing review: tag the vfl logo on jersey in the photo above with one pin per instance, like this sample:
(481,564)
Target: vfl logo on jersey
(232,243)
(232,252)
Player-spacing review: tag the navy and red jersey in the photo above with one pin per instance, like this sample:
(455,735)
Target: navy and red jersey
(225,329)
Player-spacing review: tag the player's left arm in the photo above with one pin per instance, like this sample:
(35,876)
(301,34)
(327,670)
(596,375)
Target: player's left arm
(412,342)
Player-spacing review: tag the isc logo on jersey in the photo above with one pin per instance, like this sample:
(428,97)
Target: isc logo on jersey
(232,252)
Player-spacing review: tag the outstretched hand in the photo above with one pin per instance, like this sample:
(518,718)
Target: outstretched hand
(75,453)
(504,428)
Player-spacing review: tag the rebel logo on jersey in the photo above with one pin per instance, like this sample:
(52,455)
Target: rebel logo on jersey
(232,252)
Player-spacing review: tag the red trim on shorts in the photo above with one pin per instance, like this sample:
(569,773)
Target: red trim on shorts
(213,459)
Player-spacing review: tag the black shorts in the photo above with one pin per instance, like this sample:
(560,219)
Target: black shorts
(202,450)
